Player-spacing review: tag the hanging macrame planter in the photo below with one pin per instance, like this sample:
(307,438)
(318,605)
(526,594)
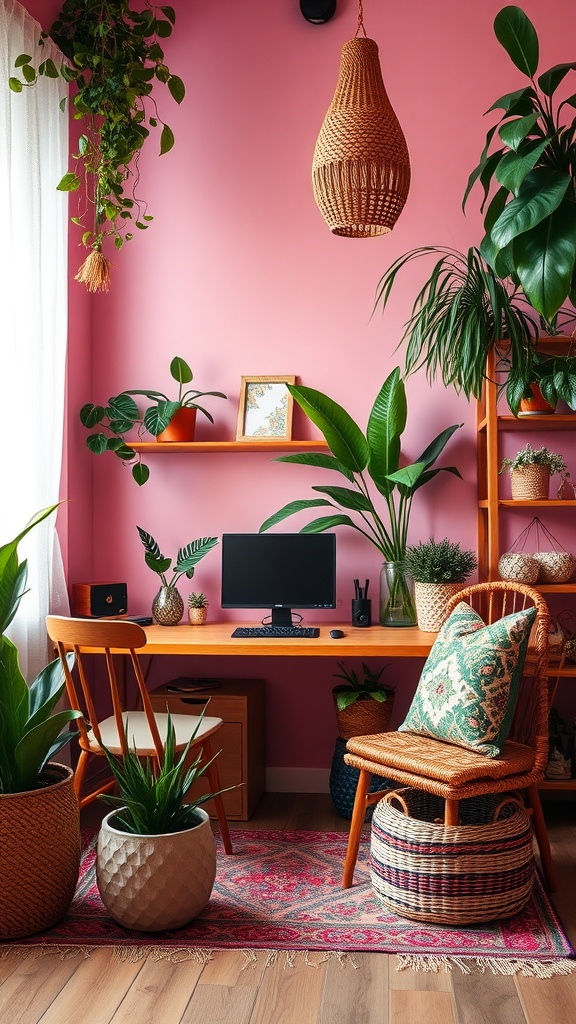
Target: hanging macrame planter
(361,166)
(95,272)
(554,565)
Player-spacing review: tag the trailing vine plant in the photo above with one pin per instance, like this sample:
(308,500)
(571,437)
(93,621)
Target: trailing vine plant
(114,58)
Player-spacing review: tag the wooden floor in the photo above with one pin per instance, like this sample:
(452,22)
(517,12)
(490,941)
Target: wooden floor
(99,990)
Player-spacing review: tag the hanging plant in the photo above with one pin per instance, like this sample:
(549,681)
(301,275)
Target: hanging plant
(114,57)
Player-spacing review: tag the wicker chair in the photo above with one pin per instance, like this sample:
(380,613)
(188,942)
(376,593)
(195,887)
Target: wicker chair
(106,638)
(455,773)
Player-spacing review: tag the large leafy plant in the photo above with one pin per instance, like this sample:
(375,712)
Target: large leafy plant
(114,58)
(151,800)
(186,560)
(369,462)
(530,220)
(122,415)
(30,732)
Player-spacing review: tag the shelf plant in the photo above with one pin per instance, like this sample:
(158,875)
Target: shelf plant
(370,463)
(115,60)
(168,606)
(530,472)
(439,569)
(529,456)
(121,415)
(197,608)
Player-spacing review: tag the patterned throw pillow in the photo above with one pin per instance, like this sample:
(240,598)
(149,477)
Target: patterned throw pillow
(469,686)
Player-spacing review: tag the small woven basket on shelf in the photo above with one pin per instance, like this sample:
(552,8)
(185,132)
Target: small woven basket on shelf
(530,483)
(554,566)
(516,565)
(431,603)
(481,870)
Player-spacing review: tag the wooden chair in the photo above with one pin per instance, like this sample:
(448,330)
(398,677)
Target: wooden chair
(146,729)
(455,773)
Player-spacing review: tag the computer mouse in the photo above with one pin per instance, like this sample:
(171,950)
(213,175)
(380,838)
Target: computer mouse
(336,634)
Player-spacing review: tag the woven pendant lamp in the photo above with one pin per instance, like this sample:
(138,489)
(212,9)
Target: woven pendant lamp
(361,166)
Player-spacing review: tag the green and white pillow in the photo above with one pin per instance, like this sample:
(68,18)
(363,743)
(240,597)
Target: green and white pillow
(469,686)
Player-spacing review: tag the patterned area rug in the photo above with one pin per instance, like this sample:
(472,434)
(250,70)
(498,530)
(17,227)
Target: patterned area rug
(281,892)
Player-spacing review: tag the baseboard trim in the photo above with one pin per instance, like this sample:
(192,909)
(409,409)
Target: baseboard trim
(297,780)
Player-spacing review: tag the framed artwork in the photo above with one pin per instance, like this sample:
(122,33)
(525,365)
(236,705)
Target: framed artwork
(265,409)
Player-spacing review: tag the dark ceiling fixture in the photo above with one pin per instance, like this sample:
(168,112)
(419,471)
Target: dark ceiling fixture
(318,11)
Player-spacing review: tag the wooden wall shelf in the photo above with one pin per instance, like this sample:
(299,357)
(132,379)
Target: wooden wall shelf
(199,447)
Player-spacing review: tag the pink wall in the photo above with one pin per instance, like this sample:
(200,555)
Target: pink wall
(239,274)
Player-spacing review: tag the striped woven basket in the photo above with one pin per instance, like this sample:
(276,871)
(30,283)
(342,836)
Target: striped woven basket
(481,870)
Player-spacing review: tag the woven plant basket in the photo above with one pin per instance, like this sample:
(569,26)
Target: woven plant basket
(530,483)
(517,566)
(39,854)
(431,602)
(361,167)
(364,717)
(481,870)
(343,783)
(554,566)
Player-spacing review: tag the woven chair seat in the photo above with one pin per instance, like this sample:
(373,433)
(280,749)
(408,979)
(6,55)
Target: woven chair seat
(433,759)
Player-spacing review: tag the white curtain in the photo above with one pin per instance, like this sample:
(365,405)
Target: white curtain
(33,318)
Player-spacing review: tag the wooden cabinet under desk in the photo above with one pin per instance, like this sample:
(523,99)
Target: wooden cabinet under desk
(240,705)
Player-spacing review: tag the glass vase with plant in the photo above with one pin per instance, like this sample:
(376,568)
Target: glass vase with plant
(122,415)
(168,606)
(370,463)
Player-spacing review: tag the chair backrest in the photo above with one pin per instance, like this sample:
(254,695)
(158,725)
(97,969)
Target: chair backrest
(106,638)
(493,601)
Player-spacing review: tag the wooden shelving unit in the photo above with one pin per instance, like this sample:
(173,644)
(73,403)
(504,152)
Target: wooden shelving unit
(490,425)
(211,447)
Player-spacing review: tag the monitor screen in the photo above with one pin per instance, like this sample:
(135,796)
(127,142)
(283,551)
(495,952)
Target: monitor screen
(279,571)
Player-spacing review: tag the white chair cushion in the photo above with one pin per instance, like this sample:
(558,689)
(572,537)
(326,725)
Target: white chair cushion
(139,734)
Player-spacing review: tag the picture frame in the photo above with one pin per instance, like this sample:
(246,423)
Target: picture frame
(265,409)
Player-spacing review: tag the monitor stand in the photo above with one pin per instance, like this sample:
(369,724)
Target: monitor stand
(281,617)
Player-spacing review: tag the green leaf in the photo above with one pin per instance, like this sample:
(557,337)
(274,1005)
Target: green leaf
(158,565)
(545,257)
(191,554)
(544,191)
(176,87)
(386,424)
(157,419)
(513,167)
(91,414)
(29,74)
(15,84)
(516,33)
(140,472)
(550,80)
(169,13)
(328,523)
(319,460)
(24,58)
(348,499)
(514,132)
(517,102)
(69,183)
(51,71)
(97,443)
(344,437)
(180,370)
(166,140)
(290,509)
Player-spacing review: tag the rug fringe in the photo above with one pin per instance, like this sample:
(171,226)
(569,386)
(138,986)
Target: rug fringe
(528,968)
(253,957)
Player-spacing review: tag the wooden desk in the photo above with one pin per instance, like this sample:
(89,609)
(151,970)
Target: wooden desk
(215,638)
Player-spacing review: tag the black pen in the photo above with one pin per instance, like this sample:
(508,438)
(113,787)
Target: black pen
(366,590)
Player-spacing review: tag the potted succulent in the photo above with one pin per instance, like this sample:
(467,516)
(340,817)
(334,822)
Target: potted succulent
(39,813)
(197,609)
(362,458)
(530,472)
(156,855)
(114,57)
(439,570)
(168,606)
(166,419)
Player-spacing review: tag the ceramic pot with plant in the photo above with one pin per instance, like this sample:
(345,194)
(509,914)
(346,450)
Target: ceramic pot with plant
(439,570)
(168,606)
(168,420)
(370,465)
(363,704)
(530,472)
(197,609)
(156,855)
(39,812)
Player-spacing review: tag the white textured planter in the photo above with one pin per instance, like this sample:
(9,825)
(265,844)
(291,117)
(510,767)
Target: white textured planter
(152,883)
(431,603)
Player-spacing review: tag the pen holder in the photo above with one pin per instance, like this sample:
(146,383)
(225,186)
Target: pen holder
(361,612)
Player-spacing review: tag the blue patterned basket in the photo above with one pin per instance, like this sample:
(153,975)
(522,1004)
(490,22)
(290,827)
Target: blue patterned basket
(343,782)
(481,870)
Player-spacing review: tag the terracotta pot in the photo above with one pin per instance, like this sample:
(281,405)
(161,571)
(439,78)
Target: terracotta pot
(181,427)
(39,853)
(536,405)
(155,882)
(197,616)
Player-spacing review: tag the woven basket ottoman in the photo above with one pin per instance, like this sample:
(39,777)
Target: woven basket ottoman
(480,870)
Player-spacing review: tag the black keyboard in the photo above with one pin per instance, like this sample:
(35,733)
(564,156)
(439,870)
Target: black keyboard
(275,631)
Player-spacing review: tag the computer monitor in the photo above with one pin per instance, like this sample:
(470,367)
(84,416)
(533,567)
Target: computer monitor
(280,571)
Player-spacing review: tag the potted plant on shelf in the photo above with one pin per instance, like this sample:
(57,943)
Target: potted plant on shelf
(197,609)
(156,856)
(166,419)
(168,606)
(39,813)
(114,57)
(439,570)
(530,472)
(362,458)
